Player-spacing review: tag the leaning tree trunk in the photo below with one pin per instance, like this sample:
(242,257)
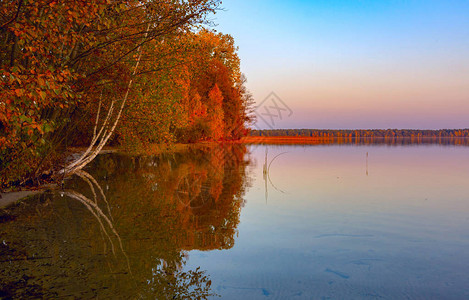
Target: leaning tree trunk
(101,137)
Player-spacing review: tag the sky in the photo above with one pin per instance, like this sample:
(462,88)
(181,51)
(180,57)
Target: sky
(354,64)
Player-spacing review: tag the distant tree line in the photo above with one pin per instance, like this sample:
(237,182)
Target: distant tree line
(362,133)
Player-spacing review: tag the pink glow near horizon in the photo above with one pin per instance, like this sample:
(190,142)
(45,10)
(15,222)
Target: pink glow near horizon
(348,64)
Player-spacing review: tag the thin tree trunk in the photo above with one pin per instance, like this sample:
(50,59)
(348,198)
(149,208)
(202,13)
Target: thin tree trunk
(105,132)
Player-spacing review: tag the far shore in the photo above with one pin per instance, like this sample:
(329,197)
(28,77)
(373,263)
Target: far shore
(306,140)
(285,140)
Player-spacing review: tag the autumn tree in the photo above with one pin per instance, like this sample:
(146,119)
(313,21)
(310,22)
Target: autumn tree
(217,64)
(215,113)
(68,64)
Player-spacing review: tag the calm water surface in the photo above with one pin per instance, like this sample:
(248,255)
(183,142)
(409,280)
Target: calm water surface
(248,222)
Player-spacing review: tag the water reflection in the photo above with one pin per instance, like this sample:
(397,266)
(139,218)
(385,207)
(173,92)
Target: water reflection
(103,219)
(266,173)
(398,233)
(152,227)
(124,227)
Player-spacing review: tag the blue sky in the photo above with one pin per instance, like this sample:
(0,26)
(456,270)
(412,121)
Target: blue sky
(356,64)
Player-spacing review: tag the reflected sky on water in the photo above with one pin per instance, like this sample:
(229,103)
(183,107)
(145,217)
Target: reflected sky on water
(338,223)
(250,222)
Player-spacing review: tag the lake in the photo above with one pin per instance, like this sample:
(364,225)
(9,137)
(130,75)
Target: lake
(365,221)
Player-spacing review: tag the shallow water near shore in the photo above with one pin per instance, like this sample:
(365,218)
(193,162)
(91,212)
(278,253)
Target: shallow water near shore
(248,222)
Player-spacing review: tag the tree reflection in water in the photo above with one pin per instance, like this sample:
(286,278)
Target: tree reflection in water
(124,227)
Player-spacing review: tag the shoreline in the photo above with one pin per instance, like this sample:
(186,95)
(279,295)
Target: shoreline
(18,194)
(9,198)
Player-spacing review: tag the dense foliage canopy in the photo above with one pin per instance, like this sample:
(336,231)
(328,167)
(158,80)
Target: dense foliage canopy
(104,71)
